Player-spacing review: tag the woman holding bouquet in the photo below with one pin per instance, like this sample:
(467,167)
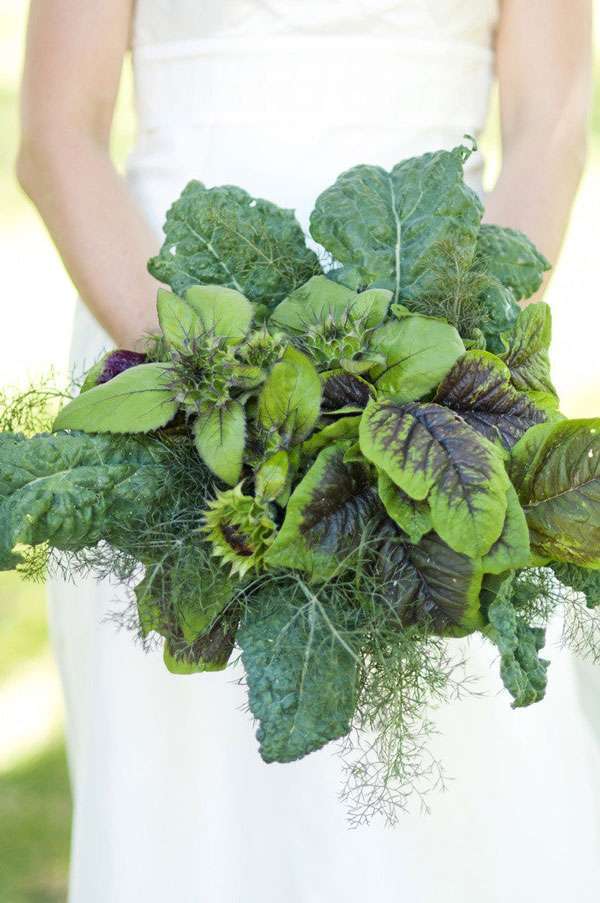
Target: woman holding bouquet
(171,799)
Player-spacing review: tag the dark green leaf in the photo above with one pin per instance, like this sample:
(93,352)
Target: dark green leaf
(512,258)
(341,390)
(523,672)
(73,489)
(478,388)
(223,236)
(582,580)
(527,356)
(385,224)
(302,680)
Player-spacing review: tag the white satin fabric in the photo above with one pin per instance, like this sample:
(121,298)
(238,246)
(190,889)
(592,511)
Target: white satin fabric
(172,802)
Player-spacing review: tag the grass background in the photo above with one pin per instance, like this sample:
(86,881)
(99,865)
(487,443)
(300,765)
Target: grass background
(34,794)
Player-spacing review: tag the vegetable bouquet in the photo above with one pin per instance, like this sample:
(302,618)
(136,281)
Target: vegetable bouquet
(335,464)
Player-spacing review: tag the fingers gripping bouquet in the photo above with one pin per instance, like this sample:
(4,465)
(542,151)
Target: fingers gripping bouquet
(334,465)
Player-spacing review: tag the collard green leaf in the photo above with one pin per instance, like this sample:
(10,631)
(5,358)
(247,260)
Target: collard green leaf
(325,517)
(523,672)
(512,258)
(136,401)
(556,471)
(386,224)
(478,388)
(224,236)
(412,516)
(290,399)
(527,356)
(429,582)
(418,351)
(220,437)
(582,580)
(73,489)
(432,454)
(302,682)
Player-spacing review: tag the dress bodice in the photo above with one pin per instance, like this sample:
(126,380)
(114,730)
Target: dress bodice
(282,95)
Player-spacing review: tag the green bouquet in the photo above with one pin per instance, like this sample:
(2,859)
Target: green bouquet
(336,463)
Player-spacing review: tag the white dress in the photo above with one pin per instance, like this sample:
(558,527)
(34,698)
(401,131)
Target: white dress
(172,802)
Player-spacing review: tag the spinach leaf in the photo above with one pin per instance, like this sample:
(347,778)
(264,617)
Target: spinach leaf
(72,489)
(224,236)
(384,225)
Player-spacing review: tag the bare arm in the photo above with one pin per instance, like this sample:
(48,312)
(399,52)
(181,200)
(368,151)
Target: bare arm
(75,51)
(544,62)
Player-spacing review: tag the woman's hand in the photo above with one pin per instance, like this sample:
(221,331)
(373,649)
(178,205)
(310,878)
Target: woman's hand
(75,51)
(544,64)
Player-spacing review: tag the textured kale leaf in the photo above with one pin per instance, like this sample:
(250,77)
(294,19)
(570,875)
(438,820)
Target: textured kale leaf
(478,388)
(302,679)
(384,225)
(582,580)
(523,672)
(326,516)
(224,236)
(73,489)
(430,453)
(555,468)
(512,258)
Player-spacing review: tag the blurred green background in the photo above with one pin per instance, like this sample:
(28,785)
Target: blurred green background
(34,795)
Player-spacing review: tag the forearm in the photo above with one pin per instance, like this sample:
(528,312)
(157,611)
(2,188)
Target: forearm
(541,170)
(101,235)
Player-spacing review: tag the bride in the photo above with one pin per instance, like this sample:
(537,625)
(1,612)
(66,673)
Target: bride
(171,799)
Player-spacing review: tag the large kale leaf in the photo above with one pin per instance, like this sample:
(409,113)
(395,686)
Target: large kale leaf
(73,489)
(302,677)
(555,468)
(224,236)
(383,226)
(523,672)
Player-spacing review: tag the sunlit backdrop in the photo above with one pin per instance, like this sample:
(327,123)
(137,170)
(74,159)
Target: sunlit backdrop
(37,304)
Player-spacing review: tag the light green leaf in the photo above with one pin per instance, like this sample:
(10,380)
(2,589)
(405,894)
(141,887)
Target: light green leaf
(290,399)
(271,477)
(221,311)
(385,225)
(179,322)
(220,437)
(302,680)
(419,351)
(136,401)
(432,454)
(340,430)
(556,470)
(511,549)
(320,298)
(412,516)
(224,236)
(325,516)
